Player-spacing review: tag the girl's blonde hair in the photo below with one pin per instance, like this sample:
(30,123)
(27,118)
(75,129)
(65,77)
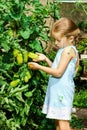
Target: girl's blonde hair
(66,27)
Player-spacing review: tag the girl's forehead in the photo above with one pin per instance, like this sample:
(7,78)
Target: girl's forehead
(57,35)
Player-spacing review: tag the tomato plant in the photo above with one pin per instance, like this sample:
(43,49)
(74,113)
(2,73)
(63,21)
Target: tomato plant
(22,30)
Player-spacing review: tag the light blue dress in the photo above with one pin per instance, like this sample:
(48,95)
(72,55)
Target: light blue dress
(60,91)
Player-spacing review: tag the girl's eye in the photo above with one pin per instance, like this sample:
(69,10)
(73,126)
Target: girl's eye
(58,40)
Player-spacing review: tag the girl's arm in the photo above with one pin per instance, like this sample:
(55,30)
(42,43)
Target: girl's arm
(77,65)
(56,72)
(42,57)
(49,62)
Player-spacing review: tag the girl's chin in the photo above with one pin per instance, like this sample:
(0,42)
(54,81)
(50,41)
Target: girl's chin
(56,47)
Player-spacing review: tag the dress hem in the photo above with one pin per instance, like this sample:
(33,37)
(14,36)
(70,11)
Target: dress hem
(56,113)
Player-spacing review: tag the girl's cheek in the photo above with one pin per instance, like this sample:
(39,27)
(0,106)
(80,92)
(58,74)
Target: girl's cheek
(56,42)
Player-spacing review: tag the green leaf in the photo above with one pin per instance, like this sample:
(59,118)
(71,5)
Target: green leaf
(28,104)
(3,87)
(5,46)
(23,120)
(12,124)
(5,72)
(25,34)
(85,62)
(17,90)
(15,16)
(3,6)
(19,96)
(36,45)
(27,108)
(33,124)
(6,100)
(7,66)
(2,118)
(17,10)
(1,23)
(44,37)
(56,14)
(43,73)
(2,82)
(30,93)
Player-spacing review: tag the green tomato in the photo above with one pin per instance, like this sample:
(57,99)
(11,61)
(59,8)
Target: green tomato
(26,79)
(32,55)
(25,56)
(14,83)
(19,59)
(16,52)
(10,33)
(27,76)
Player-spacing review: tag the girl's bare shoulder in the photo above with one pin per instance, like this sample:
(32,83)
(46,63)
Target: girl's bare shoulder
(69,51)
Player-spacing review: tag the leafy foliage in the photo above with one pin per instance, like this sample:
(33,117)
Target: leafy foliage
(82,45)
(81,98)
(76,123)
(22,30)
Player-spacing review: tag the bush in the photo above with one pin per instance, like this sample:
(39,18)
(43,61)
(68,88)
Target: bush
(22,30)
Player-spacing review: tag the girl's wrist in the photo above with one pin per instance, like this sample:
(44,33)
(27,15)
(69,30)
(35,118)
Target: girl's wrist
(40,67)
(45,59)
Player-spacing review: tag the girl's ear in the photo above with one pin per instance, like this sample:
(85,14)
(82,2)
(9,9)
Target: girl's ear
(71,39)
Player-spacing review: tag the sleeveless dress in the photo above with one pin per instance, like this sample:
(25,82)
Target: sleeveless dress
(60,91)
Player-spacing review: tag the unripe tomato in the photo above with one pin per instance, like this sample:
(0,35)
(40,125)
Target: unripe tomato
(19,59)
(16,52)
(25,56)
(26,79)
(27,76)
(32,55)
(16,76)
(10,33)
(14,83)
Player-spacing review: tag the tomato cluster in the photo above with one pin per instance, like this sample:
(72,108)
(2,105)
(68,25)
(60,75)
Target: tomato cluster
(22,56)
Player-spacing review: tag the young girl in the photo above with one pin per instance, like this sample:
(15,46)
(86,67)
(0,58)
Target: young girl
(60,90)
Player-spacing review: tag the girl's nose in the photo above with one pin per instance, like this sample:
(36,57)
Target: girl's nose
(56,42)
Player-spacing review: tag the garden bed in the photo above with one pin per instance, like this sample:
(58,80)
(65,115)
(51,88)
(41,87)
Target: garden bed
(81,113)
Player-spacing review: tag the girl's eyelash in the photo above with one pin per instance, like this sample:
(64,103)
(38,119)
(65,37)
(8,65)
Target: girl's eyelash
(58,40)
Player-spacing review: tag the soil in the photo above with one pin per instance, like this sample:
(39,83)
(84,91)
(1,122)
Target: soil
(82,114)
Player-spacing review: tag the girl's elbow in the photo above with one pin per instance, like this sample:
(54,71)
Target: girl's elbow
(58,74)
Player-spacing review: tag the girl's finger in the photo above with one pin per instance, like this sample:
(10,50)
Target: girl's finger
(30,65)
(38,53)
(36,59)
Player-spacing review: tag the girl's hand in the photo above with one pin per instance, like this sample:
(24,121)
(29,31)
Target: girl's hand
(33,65)
(41,57)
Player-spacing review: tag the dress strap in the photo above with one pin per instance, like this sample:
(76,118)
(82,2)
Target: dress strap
(75,50)
(69,49)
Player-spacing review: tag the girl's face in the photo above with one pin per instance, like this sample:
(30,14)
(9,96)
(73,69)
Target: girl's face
(61,40)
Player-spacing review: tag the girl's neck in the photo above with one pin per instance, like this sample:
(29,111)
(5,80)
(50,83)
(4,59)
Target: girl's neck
(68,45)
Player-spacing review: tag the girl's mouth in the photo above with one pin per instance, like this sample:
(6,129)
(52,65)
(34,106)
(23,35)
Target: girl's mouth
(56,47)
